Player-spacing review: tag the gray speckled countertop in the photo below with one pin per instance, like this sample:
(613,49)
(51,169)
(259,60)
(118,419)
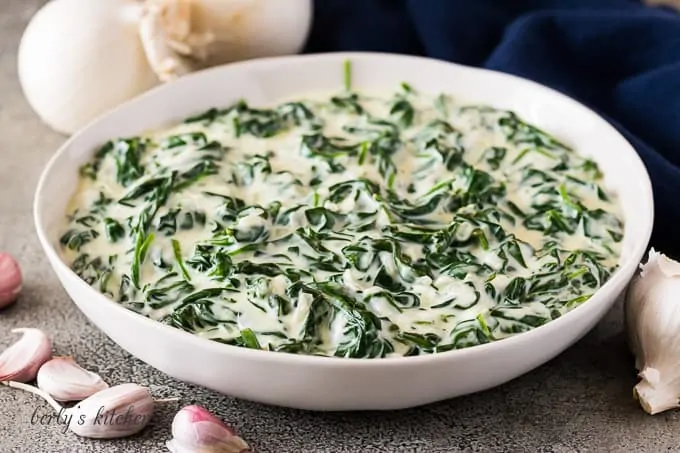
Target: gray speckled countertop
(579,402)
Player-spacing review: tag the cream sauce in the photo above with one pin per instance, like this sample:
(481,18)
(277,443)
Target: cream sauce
(262,171)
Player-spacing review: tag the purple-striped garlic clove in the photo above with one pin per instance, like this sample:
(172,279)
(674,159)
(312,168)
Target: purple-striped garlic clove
(22,360)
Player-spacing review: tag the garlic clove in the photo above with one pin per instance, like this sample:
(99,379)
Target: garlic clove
(652,315)
(119,411)
(195,430)
(21,361)
(65,380)
(10,280)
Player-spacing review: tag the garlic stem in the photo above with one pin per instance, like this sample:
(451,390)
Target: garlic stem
(52,401)
(166,400)
(34,390)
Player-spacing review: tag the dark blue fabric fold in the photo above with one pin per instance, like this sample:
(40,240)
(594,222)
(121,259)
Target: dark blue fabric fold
(619,57)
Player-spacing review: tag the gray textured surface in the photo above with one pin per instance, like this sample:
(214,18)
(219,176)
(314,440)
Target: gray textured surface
(579,402)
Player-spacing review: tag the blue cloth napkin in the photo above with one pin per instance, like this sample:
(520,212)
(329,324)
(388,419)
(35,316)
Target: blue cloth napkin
(619,57)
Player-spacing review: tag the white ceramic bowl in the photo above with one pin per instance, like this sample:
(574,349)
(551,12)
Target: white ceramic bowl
(320,383)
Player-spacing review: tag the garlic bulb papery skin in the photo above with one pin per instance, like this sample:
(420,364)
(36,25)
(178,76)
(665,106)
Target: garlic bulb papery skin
(181,36)
(11,280)
(119,411)
(196,430)
(158,28)
(22,360)
(652,313)
(65,380)
(246,29)
(79,58)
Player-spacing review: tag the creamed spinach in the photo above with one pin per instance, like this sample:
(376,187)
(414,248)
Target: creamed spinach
(351,225)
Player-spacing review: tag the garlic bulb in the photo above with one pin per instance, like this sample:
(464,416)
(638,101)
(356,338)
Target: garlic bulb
(119,411)
(79,58)
(652,312)
(65,380)
(245,29)
(195,430)
(111,413)
(10,280)
(21,361)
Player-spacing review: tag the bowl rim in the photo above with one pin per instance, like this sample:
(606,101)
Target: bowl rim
(640,243)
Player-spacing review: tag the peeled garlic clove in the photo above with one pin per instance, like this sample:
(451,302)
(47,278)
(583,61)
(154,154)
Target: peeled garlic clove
(652,312)
(65,380)
(10,279)
(119,411)
(21,361)
(195,430)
